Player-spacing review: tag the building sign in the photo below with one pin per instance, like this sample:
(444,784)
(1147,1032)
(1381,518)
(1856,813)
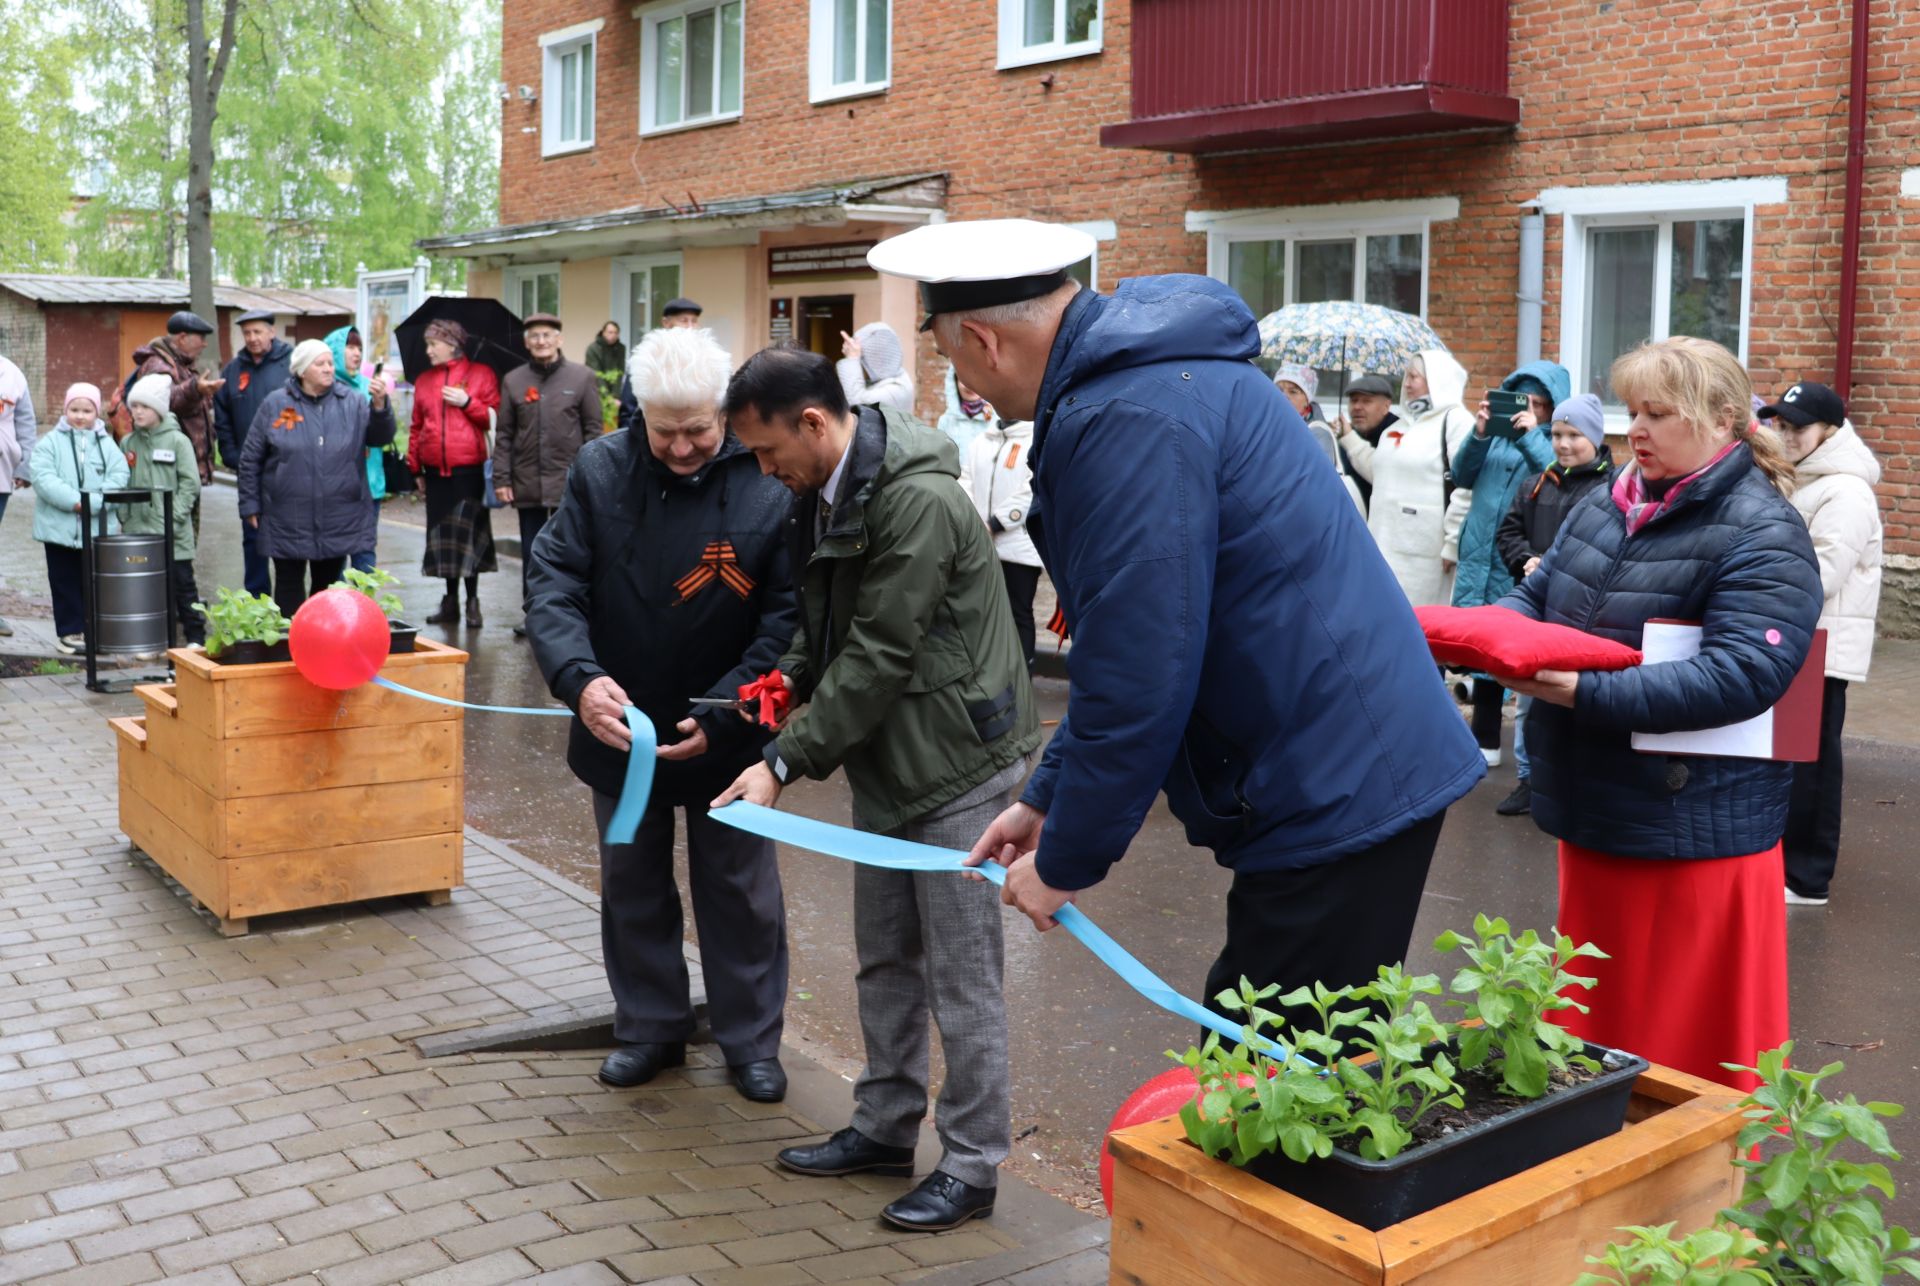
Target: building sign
(837,259)
(780,322)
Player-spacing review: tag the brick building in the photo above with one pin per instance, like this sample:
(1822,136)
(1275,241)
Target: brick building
(1669,166)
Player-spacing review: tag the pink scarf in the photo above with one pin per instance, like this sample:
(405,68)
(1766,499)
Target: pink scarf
(1631,497)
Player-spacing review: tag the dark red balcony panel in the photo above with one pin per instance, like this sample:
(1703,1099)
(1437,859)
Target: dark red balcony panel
(1230,75)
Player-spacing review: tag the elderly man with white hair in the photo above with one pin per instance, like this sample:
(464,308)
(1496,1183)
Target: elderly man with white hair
(663,577)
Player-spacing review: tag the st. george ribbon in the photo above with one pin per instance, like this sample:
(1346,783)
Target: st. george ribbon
(625,822)
(904,855)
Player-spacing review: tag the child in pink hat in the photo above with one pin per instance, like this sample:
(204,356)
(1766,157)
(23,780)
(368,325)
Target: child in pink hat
(77,456)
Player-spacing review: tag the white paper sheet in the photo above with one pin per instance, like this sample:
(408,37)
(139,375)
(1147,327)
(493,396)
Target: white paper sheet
(1663,642)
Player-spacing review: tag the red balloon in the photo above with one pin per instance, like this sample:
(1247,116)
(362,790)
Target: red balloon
(1159,1098)
(340,639)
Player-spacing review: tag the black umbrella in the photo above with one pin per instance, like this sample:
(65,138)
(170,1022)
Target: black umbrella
(493,333)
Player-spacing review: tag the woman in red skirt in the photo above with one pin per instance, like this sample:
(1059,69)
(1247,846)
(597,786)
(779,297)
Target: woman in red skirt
(1672,864)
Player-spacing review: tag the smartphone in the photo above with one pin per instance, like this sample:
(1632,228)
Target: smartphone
(1502,406)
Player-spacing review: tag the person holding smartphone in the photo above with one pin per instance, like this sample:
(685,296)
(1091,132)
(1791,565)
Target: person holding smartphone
(1492,464)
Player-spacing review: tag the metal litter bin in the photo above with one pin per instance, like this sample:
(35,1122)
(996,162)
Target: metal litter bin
(131,594)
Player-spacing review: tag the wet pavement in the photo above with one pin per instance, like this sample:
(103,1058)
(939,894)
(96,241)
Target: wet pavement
(1081,1041)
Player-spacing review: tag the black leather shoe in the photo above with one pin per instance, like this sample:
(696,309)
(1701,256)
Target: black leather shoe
(939,1203)
(764,1081)
(848,1152)
(632,1065)
(1520,801)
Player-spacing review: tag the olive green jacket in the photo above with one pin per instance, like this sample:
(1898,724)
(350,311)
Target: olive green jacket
(921,693)
(180,475)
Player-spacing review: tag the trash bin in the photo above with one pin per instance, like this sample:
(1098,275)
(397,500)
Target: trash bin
(131,593)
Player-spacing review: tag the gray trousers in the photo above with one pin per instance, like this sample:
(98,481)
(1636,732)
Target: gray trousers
(738,910)
(929,940)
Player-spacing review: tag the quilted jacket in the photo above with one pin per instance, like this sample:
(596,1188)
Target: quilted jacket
(1731,554)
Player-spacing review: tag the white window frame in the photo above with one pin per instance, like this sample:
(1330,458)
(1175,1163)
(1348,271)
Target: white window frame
(514,275)
(1658,205)
(1103,231)
(1294,224)
(1013,27)
(620,285)
(553,45)
(821,87)
(651,16)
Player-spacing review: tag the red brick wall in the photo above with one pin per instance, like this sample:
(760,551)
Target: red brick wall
(83,346)
(1629,91)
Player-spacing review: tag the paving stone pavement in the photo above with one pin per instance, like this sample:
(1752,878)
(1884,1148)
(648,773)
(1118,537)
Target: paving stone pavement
(179,1106)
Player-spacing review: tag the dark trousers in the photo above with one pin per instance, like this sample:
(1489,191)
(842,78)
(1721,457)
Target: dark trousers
(193,626)
(365,559)
(66,577)
(742,921)
(1812,841)
(1022,583)
(256,575)
(1488,697)
(531,521)
(1338,922)
(290,580)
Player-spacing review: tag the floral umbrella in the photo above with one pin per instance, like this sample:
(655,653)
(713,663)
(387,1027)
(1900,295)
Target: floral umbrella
(1339,335)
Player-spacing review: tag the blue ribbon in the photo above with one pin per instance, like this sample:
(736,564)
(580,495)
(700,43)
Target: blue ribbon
(624,825)
(904,855)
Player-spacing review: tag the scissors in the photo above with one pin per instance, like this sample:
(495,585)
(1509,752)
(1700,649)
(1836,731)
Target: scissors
(720,703)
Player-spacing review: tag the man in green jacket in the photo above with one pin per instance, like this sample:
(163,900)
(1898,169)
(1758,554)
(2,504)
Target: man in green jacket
(160,458)
(909,675)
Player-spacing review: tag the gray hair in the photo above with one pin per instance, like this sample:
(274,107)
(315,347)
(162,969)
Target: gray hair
(680,368)
(1024,313)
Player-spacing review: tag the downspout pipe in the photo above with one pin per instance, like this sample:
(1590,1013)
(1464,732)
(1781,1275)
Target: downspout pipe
(1533,252)
(1856,180)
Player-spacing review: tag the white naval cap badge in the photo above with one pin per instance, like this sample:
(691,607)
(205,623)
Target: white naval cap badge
(982,263)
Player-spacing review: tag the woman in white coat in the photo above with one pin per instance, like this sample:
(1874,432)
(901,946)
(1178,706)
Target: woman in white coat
(1416,513)
(994,473)
(1833,489)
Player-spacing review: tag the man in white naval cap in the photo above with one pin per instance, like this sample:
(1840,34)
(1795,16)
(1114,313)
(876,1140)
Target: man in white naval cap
(1237,640)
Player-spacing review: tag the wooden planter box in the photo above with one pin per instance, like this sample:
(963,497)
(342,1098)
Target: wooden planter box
(262,793)
(1181,1217)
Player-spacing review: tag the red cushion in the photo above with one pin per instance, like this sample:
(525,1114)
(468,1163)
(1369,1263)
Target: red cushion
(1499,641)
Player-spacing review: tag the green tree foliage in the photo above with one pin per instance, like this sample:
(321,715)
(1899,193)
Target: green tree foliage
(344,133)
(37,124)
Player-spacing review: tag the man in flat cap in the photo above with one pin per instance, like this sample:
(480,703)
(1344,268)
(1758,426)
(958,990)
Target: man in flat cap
(1238,641)
(174,355)
(259,368)
(680,314)
(549,409)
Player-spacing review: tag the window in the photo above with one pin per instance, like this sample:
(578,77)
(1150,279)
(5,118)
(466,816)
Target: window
(566,94)
(641,288)
(851,48)
(1087,271)
(1038,31)
(532,288)
(691,59)
(1645,261)
(1373,252)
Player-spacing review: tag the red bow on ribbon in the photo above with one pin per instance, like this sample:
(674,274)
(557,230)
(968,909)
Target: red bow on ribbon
(771,691)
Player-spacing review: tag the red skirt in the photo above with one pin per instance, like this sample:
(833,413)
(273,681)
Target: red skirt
(1698,969)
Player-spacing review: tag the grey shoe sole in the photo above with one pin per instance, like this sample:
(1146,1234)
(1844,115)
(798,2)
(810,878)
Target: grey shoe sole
(936,1227)
(886,1169)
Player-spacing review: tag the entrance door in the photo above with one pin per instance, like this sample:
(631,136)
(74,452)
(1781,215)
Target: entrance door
(641,288)
(822,320)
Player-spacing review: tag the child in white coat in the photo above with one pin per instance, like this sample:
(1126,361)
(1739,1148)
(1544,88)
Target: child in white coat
(1834,481)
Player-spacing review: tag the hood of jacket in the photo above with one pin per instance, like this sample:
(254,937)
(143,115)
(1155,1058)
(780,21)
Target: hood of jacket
(337,341)
(163,349)
(911,448)
(1147,320)
(1601,463)
(169,423)
(1446,381)
(1843,453)
(1551,375)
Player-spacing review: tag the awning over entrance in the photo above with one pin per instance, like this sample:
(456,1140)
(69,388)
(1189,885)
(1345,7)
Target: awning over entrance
(913,198)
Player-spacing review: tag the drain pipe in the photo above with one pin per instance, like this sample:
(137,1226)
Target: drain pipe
(1856,177)
(1533,250)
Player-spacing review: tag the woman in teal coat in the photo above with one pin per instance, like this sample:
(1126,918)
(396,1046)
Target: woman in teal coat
(1492,468)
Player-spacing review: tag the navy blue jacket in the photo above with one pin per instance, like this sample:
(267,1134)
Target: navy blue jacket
(1237,639)
(304,471)
(249,381)
(1731,554)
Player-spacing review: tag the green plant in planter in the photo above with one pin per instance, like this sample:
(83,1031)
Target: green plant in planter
(1810,1216)
(1710,1257)
(242,618)
(1404,1085)
(1514,983)
(374,585)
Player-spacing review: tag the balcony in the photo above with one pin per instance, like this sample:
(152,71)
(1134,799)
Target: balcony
(1240,75)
